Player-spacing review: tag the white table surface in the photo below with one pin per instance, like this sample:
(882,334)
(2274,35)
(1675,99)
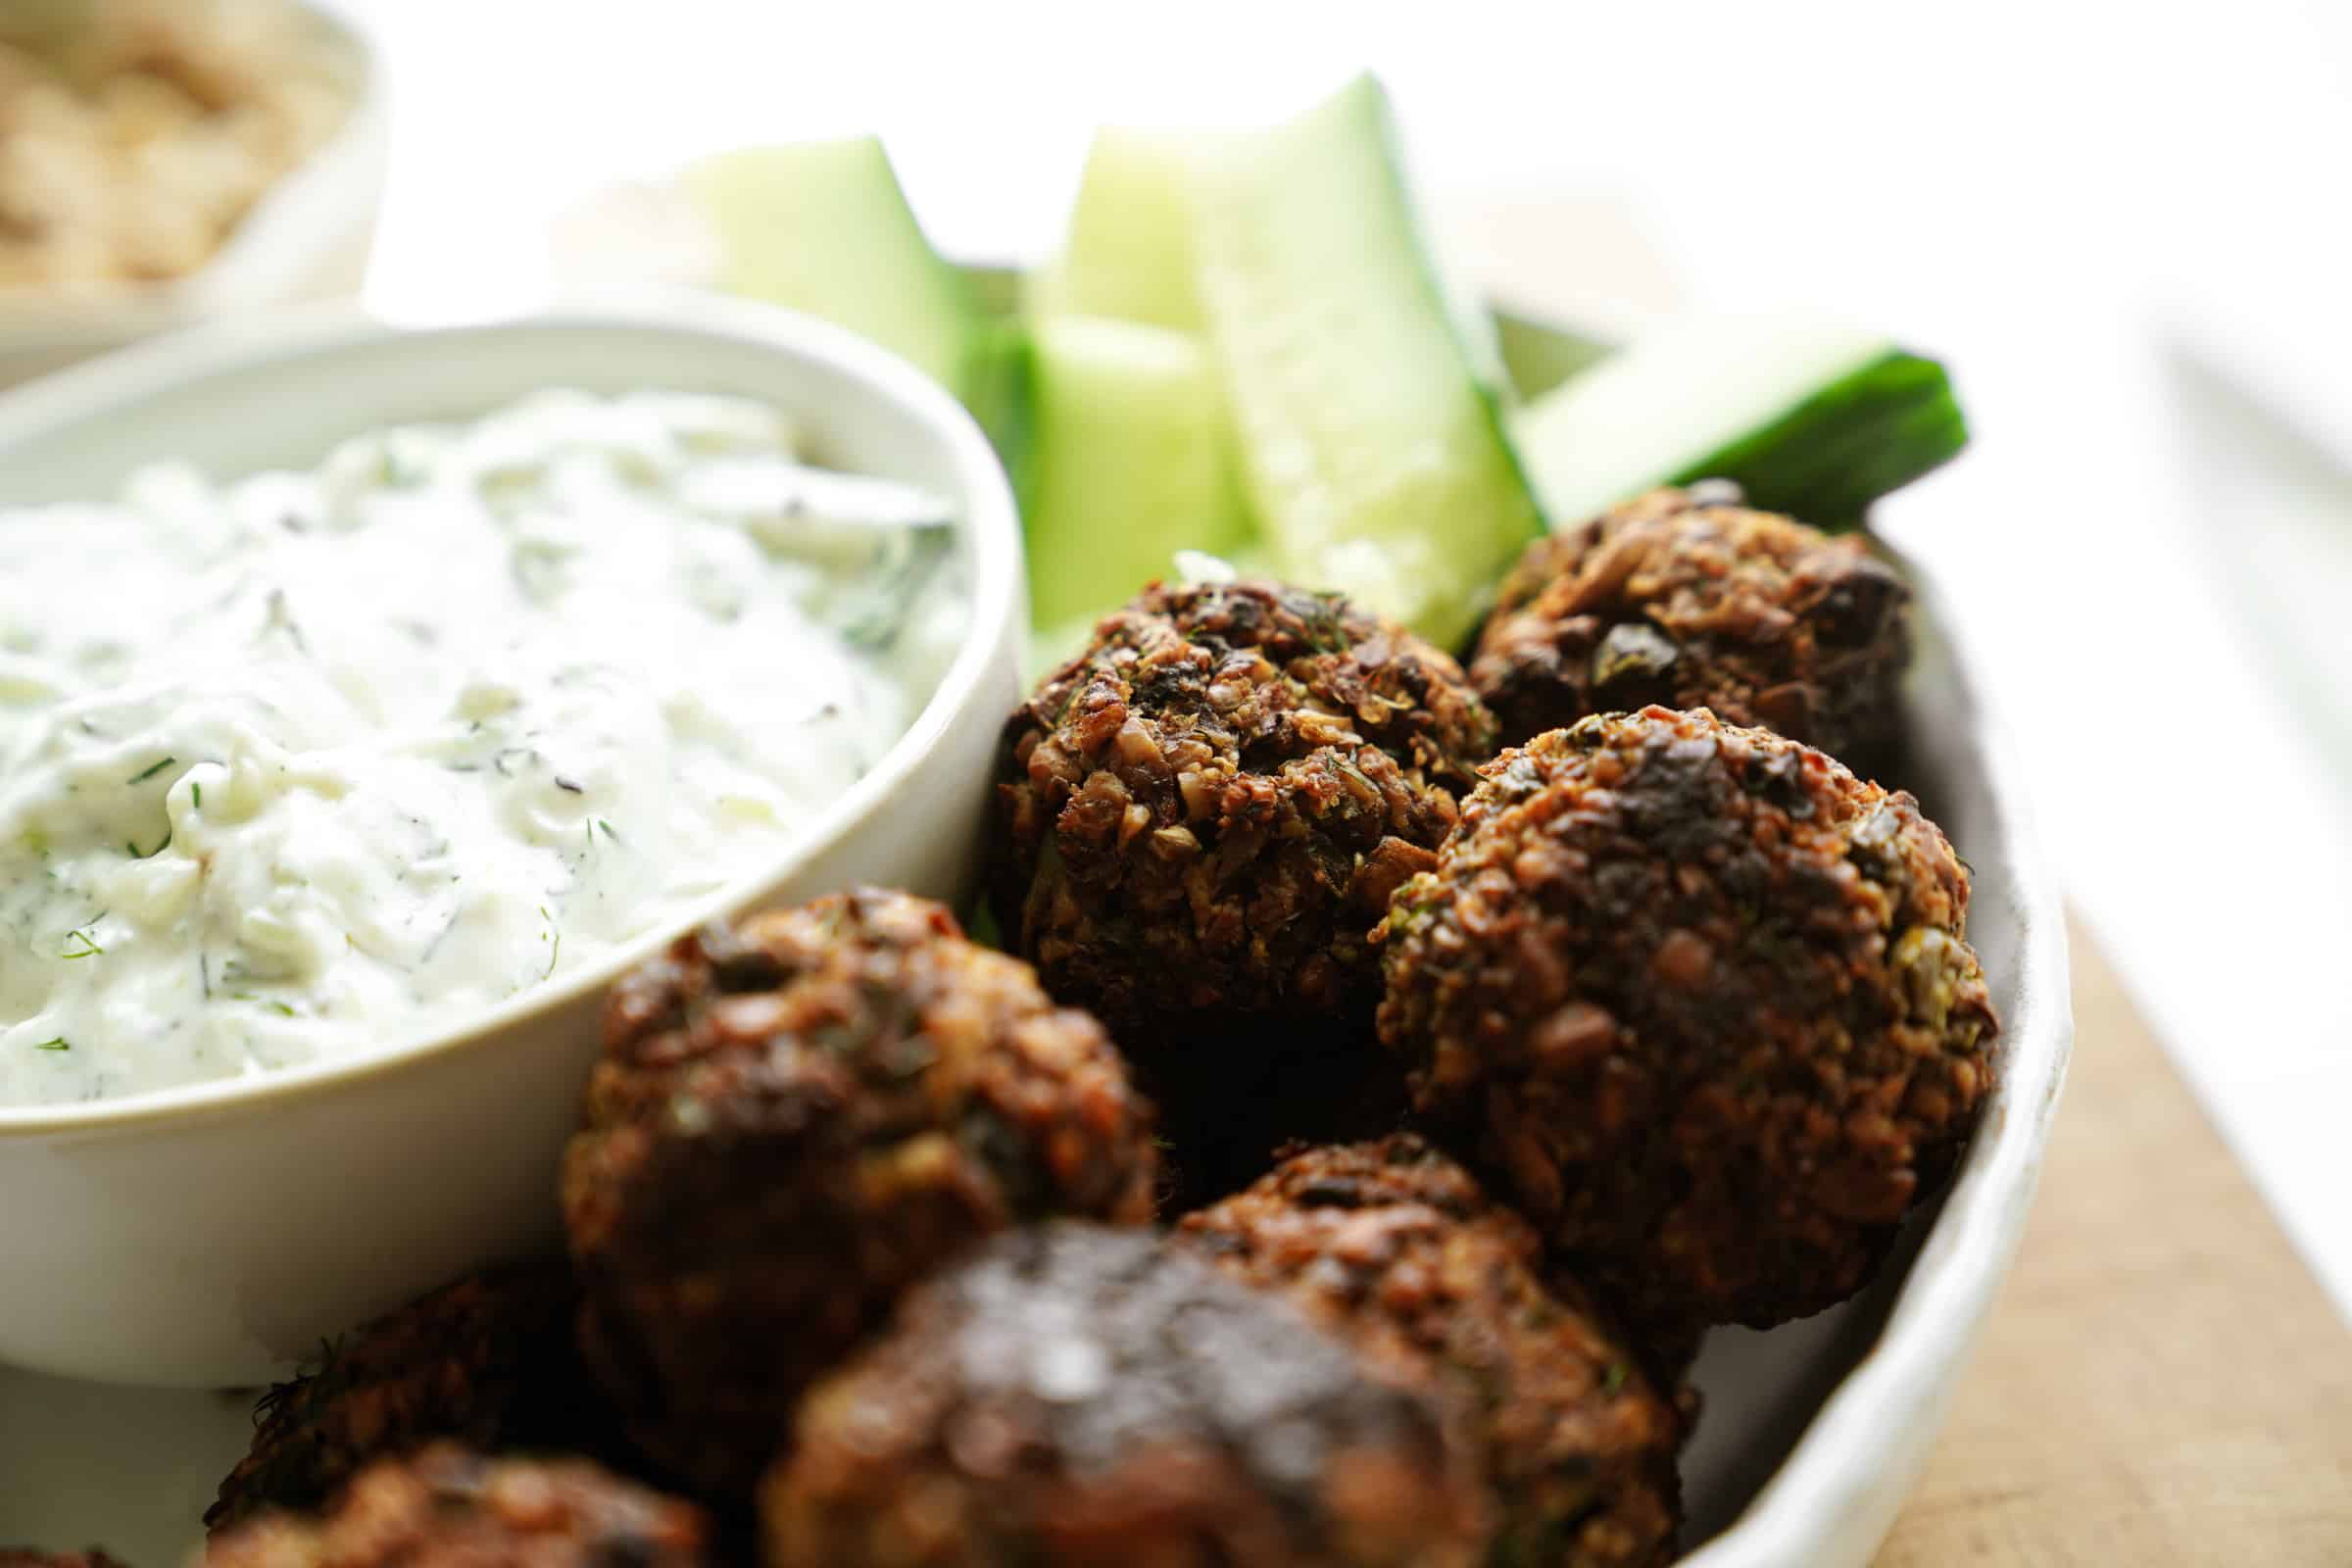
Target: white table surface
(2043,194)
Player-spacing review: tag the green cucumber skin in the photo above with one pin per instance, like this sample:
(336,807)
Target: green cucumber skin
(1825,461)
(981,349)
(1864,436)
(1539,354)
(1001,396)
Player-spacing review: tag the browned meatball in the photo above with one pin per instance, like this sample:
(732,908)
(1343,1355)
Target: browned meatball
(488,1360)
(796,1119)
(1703,1000)
(1687,599)
(446,1508)
(1398,1247)
(1200,817)
(1072,1396)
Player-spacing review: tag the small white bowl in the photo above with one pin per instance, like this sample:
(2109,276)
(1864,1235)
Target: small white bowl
(307,239)
(211,1235)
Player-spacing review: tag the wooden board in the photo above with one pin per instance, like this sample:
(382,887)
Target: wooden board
(2163,1382)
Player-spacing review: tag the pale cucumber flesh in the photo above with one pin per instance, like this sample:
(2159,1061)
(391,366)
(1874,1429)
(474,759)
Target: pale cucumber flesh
(822,226)
(1364,402)
(1128,252)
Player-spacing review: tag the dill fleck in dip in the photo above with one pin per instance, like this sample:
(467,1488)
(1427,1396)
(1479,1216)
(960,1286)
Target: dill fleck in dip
(306,766)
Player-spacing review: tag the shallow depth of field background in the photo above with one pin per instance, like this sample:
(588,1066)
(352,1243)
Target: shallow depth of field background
(2123,225)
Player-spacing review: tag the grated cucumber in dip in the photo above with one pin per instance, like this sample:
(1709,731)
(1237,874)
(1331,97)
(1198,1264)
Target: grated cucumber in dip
(306,766)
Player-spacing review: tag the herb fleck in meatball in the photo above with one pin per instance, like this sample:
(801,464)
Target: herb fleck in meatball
(1686,599)
(1395,1246)
(1200,819)
(488,1360)
(1072,1396)
(446,1508)
(1703,1000)
(792,1121)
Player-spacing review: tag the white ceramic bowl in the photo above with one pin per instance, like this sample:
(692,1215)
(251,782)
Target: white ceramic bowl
(211,1235)
(307,239)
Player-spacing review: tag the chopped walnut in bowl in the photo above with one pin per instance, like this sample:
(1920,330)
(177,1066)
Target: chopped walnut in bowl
(136,134)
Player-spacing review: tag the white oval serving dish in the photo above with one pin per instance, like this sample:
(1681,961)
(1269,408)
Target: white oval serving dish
(211,1235)
(1812,1434)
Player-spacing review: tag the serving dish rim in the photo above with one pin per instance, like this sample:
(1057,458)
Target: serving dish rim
(1835,1488)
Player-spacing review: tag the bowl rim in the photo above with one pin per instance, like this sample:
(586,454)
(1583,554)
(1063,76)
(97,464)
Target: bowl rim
(35,322)
(1833,1485)
(988,519)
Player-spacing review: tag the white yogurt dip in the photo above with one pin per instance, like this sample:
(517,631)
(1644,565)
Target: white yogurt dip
(308,766)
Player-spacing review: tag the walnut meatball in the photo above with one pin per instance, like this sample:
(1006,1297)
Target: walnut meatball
(447,1507)
(1686,599)
(488,1360)
(794,1121)
(1702,1000)
(1199,822)
(1398,1247)
(1072,1395)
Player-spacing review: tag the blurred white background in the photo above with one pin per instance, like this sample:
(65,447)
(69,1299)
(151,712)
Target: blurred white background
(2079,206)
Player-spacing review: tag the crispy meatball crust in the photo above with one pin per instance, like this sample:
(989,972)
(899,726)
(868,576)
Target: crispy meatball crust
(1398,1247)
(1072,1396)
(488,1360)
(1197,823)
(1193,812)
(446,1508)
(792,1121)
(1686,599)
(1703,1000)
